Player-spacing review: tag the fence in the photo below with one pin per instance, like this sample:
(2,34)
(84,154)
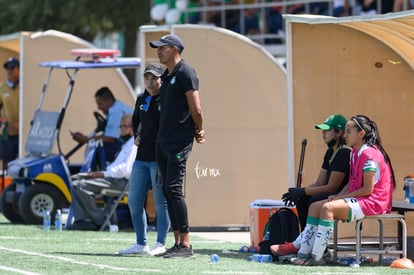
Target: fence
(262,20)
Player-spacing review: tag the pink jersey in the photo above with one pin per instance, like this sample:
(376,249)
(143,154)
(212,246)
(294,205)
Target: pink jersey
(380,200)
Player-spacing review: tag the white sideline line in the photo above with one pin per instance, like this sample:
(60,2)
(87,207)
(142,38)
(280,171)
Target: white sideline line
(340,273)
(233,272)
(6,268)
(64,259)
(86,239)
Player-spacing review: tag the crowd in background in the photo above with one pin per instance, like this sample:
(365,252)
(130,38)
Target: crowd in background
(236,15)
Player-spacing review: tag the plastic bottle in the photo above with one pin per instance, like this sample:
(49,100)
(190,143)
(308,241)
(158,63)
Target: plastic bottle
(46,220)
(113,228)
(58,220)
(346,260)
(244,249)
(366,259)
(261,258)
(214,258)
(388,260)
(252,249)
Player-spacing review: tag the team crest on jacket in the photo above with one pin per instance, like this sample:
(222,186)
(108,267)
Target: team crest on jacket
(172,81)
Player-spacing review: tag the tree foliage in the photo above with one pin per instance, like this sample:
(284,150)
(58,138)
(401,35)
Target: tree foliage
(83,18)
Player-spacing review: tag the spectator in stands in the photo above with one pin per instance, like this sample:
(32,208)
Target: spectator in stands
(370,7)
(232,18)
(341,8)
(318,8)
(193,17)
(274,22)
(399,5)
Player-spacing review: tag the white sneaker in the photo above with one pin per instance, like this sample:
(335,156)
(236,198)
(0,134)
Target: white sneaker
(157,249)
(135,249)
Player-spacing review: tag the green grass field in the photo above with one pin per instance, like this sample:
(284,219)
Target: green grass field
(26,249)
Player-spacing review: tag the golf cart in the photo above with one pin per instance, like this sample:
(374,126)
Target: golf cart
(42,179)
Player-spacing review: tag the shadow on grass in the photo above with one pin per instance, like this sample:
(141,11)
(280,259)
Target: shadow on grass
(228,254)
(207,252)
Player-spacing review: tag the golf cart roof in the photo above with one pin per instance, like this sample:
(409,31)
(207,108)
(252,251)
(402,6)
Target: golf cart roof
(101,63)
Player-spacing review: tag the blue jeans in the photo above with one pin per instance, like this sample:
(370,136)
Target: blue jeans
(143,176)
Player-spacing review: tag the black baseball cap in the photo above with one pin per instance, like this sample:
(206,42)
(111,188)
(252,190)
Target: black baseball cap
(170,40)
(11,62)
(154,68)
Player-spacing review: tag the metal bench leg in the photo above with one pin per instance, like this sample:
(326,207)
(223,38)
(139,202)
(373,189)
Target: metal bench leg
(335,244)
(381,244)
(404,237)
(358,242)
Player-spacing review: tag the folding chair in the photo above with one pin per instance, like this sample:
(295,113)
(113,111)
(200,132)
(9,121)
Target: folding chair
(112,199)
(94,160)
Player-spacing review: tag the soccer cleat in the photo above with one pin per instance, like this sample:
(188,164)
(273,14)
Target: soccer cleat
(181,252)
(158,248)
(302,259)
(168,251)
(283,249)
(135,249)
(306,260)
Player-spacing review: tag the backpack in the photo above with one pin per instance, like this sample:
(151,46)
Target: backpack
(283,226)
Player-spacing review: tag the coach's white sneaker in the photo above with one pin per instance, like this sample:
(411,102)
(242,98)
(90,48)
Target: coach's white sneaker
(158,248)
(135,249)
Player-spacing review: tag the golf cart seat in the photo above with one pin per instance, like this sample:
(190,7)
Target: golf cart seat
(42,133)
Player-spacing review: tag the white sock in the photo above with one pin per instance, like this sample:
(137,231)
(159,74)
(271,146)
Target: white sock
(308,235)
(296,243)
(322,238)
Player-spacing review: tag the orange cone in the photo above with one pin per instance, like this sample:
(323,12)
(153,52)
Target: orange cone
(402,263)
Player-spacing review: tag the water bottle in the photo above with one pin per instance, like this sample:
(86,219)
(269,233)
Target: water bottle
(387,260)
(113,228)
(214,258)
(261,258)
(244,249)
(346,260)
(58,220)
(46,220)
(366,259)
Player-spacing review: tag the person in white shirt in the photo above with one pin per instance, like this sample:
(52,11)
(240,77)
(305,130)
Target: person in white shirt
(88,215)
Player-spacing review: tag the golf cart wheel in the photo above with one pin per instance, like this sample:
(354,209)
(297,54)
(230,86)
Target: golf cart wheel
(9,209)
(37,198)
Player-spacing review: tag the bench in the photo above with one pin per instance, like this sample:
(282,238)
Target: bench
(380,250)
